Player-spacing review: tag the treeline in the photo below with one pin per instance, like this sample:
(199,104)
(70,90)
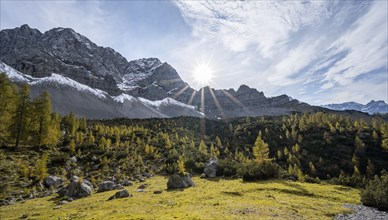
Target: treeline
(26,121)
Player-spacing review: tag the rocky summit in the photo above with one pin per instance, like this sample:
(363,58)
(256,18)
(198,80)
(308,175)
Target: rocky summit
(98,82)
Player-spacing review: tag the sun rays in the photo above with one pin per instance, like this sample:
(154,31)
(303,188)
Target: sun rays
(203,74)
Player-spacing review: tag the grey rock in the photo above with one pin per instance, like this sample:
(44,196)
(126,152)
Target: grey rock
(362,212)
(54,181)
(73,159)
(147,175)
(76,189)
(179,181)
(211,168)
(127,183)
(143,186)
(63,202)
(74,178)
(202,176)
(108,186)
(121,194)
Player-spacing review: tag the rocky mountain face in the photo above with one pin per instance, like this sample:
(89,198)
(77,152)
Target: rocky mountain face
(372,107)
(63,52)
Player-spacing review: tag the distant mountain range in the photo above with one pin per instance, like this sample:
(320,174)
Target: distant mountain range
(372,107)
(97,82)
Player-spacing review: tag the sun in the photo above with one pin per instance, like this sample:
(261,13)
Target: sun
(203,74)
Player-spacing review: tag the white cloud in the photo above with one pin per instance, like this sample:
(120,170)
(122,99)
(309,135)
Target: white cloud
(239,25)
(367,45)
(306,49)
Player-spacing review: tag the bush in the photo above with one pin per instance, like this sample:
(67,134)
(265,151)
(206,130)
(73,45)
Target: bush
(309,179)
(227,167)
(352,181)
(376,193)
(253,170)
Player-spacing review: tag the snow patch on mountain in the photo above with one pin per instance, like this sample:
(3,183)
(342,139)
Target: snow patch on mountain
(13,74)
(166,101)
(20,77)
(67,81)
(123,97)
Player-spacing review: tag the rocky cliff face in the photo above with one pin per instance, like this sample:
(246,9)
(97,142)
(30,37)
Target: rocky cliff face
(67,53)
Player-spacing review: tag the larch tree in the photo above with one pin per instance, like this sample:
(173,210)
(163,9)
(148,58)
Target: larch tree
(19,126)
(7,106)
(260,150)
(42,112)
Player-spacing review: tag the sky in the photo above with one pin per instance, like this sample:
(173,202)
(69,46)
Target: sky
(318,52)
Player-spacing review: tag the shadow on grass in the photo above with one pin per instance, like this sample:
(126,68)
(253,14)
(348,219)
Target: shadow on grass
(232,193)
(175,190)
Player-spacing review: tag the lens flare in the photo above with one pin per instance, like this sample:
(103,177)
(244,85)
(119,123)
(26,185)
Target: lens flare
(203,74)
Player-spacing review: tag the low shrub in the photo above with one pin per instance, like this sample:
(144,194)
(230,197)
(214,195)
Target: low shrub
(253,170)
(227,167)
(376,193)
(352,181)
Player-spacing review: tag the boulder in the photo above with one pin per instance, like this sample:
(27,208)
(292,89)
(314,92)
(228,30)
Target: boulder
(121,194)
(127,183)
(76,188)
(73,159)
(108,186)
(147,175)
(211,168)
(54,181)
(179,180)
(143,186)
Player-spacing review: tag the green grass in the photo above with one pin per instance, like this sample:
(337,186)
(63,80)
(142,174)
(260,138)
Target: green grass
(209,199)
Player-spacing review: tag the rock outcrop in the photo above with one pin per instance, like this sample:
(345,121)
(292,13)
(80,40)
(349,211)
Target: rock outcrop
(108,186)
(53,181)
(211,168)
(179,181)
(121,194)
(77,188)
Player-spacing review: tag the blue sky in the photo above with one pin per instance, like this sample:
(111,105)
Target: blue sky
(316,51)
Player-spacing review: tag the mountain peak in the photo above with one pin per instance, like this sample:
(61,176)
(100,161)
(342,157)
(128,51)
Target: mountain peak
(144,64)
(27,30)
(25,27)
(371,107)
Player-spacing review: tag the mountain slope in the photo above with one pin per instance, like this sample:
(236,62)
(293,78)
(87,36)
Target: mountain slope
(372,107)
(68,96)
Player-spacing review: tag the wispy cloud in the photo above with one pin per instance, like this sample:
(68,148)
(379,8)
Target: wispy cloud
(307,49)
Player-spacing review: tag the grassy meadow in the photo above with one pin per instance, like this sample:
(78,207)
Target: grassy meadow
(209,199)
